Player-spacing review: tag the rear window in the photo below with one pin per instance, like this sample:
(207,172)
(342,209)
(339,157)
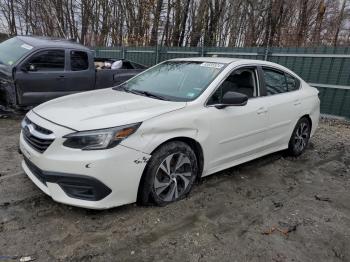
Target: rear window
(292,83)
(79,60)
(275,81)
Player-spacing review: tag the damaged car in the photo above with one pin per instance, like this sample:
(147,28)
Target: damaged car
(149,139)
(34,70)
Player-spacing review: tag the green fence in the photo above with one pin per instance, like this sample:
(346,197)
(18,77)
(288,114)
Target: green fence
(328,69)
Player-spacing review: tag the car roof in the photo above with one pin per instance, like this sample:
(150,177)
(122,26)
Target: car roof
(225,60)
(38,42)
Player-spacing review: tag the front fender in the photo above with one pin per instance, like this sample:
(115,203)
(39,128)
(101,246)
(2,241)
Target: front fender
(7,95)
(150,137)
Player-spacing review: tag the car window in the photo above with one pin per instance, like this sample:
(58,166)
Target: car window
(79,60)
(242,81)
(292,83)
(50,60)
(275,81)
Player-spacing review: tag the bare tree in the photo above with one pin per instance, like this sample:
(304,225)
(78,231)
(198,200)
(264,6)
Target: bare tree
(154,34)
(339,23)
(318,23)
(182,22)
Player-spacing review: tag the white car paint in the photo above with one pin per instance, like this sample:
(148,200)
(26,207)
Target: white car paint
(228,136)
(100,109)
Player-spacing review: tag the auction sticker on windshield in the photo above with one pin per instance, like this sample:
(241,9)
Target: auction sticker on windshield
(212,65)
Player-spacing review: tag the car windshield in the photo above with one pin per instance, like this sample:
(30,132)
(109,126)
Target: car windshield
(12,50)
(174,80)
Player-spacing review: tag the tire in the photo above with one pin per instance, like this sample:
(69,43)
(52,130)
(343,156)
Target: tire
(300,137)
(160,184)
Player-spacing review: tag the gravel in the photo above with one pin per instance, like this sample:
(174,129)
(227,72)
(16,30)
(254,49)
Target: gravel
(275,208)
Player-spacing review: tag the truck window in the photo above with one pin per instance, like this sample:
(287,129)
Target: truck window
(49,60)
(79,60)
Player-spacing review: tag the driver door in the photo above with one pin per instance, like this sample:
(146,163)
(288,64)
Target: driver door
(41,77)
(237,132)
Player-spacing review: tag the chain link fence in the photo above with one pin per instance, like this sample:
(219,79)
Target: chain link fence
(326,68)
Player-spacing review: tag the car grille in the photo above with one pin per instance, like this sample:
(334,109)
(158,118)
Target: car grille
(36,136)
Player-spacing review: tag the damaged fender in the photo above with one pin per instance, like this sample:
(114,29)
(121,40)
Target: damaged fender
(7,96)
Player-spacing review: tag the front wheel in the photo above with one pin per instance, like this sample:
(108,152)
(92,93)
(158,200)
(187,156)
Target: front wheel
(300,137)
(169,175)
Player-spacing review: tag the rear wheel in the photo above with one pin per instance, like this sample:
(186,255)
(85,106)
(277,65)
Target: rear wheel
(300,137)
(169,175)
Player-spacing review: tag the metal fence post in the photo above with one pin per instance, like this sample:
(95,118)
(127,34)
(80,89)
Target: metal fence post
(157,53)
(123,52)
(267,50)
(202,48)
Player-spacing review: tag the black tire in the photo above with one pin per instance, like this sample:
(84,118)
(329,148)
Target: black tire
(300,137)
(155,174)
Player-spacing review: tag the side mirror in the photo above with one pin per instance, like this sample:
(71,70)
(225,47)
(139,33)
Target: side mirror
(233,99)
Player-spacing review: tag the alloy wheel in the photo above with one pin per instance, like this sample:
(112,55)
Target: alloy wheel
(173,177)
(301,137)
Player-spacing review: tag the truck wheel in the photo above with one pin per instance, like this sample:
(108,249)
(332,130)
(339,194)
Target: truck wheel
(169,175)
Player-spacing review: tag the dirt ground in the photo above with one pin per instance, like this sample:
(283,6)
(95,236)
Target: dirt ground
(240,214)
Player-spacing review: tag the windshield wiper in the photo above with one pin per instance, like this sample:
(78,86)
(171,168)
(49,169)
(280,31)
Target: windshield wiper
(146,93)
(121,87)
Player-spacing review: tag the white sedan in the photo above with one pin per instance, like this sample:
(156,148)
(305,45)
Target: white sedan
(149,139)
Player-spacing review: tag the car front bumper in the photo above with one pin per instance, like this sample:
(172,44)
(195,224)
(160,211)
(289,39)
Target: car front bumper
(97,179)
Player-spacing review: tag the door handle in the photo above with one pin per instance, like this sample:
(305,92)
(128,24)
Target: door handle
(297,102)
(261,110)
(60,77)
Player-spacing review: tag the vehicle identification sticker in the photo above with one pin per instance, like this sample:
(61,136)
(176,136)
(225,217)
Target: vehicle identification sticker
(212,65)
(190,94)
(28,47)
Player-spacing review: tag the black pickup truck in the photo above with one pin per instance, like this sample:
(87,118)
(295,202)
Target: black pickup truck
(34,70)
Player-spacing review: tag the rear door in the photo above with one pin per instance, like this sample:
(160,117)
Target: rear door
(80,71)
(41,77)
(284,105)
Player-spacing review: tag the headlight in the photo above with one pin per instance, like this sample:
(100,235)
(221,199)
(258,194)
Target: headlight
(99,139)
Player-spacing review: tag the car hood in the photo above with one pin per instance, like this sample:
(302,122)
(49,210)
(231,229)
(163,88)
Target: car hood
(102,109)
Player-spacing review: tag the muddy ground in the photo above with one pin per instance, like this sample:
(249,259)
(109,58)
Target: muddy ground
(240,214)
